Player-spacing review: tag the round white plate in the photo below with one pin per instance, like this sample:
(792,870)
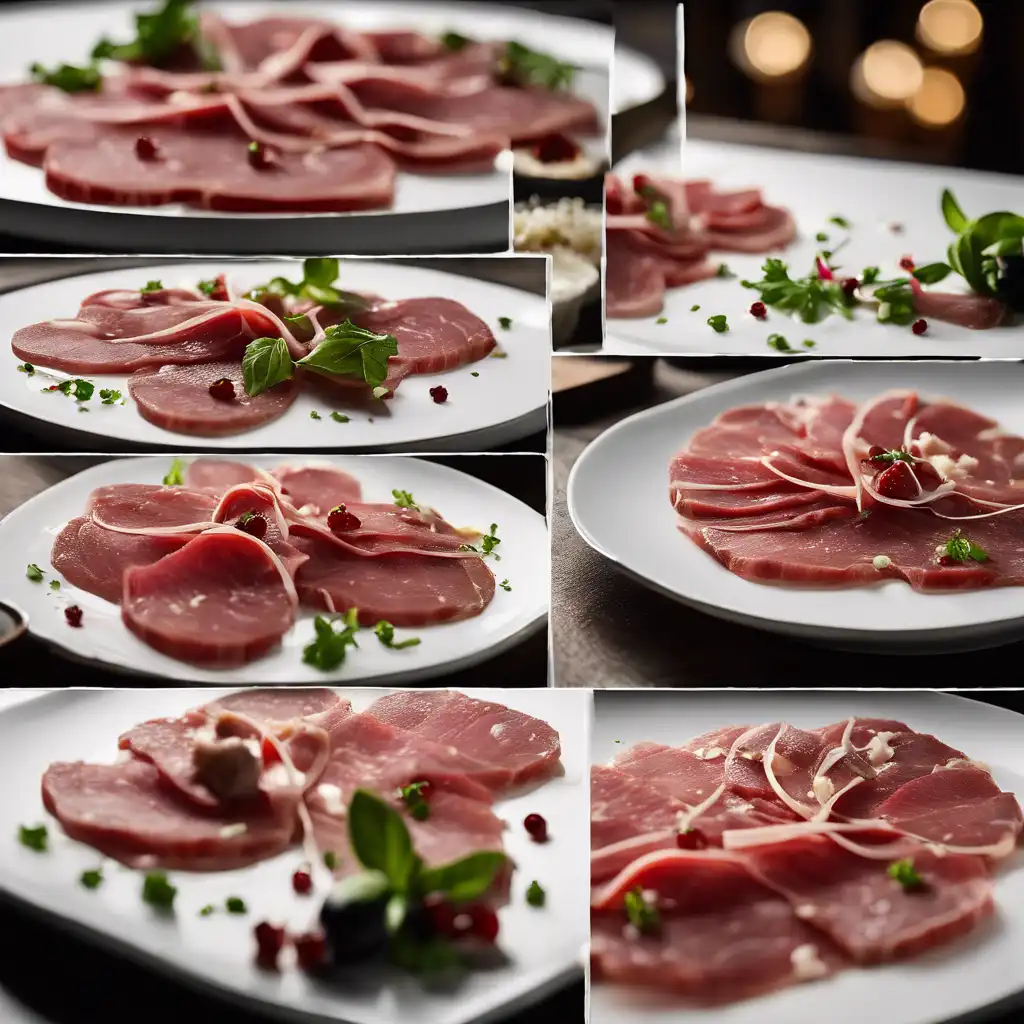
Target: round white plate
(468,211)
(872,195)
(507,401)
(636,80)
(215,953)
(618,500)
(937,987)
(26,536)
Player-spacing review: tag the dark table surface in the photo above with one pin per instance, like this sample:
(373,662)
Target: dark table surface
(27,660)
(609,630)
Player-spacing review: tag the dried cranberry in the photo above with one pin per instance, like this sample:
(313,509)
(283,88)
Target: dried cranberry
(442,918)
(907,263)
(302,882)
(927,475)
(919,326)
(339,520)
(897,481)
(691,839)
(439,394)
(484,923)
(553,149)
(261,157)
(146,149)
(269,943)
(310,950)
(74,615)
(537,827)
(252,523)
(850,286)
(759,310)
(223,390)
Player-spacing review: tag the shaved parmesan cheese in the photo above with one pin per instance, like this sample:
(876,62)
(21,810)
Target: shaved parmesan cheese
(237,829)
(949,468)
(807,965)
(823,789)
(330,797)
(878,750)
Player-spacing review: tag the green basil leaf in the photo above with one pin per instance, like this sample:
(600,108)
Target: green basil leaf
(333,297)
(266,362)
(380,839)
(932,273)
(322,272)
(463,880)
(1005,247)
(994,226)
(965,258)
(350,351)
(281,286)
(955,218)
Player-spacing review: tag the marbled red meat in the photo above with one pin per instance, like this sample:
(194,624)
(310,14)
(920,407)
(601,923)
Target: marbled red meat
(317,488)
(218,474)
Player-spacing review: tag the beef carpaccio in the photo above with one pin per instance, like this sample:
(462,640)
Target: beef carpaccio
(214,567)
(756,857)
(283,114)
(661,232)
(822,491)
(212,361)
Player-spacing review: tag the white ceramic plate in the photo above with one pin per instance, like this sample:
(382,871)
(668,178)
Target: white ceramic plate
(507,401)
(937,987)
(621,481)
(216,952)
(872,195)
(636,80)
(26,536)
(425,206)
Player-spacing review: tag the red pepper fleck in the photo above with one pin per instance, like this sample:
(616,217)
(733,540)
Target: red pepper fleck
(691,839)
(310,950)
(269,943)
(73,614)
(484,923)
(919,326)
(907,263)
(759,310)
(850,285)
(553,149)
(223,390)
(146,149)
(340,520)
(261,157)
(439,394)
(253,523)
(302,882)
(537,827)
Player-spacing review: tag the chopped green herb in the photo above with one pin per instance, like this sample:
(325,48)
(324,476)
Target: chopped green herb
(724,271)
(174,476)
(521,66)
(618,741)
(779,343)
(314,415)
(152,286)
(92,879)
(870,275)
(55,584)
(207,910)
(235,905)
(658,214)
(330,860)
(318,278)
(412,797)
(454,42)
(505,322)
(339,417)
(895,302)
(811,298)
(487,544)
(35,838)
(887,458)
(331,645)
(386,635)
(498,353)
(821,237)
(159,37)
(208,287)
(662,320)
(26,368)
(403,499)
(68,78)
(840,222)
(535,895)
(83,408)
(474,373)
(157,891)
(110,396)
(960,549)
(718,323)
(904,872)
(81,390)
(34,573)
(693,309)
(642,915)
(506,586)
(809,344)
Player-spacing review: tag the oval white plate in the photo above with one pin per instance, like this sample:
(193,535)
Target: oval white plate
(468,211)
(26,536)
(937,987)
(871,194)
(636,80)
(621,481)
(507,401)
(542,946)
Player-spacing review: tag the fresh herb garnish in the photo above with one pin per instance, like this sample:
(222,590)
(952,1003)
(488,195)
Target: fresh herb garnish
(314,415)
(174,477)
(317,284)
(821,237)
(403,499)
(235,905)
(157,891)
(55,584)
(331,645)
(159,36)
(151,286)
(518,65)
(488,543)
(662,320)
(330,860)
(809,344)
(932,273)
(68,78)
(386,635)
(339,417)
(35,838)
(887,458)
(779,343)
(350,351)
(643,916)
(34,573)
(693,309)
(840,222)
(505,322)
(811,298)
(412,797)
(110,396)
(79,389)
(207,910)
(453,42)
(724,271)
(474,373)
(266,362)
(718,323)
(904,872)
(535,895)
(895,302)
(506,586)
(960,549)
(92,879)
(27,368)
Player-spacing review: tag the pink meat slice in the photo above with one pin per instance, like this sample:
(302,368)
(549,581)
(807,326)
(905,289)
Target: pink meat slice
(178,398)
(975,312)
(258,499)
(95,560)
(144,507)
(219,601)
(317,705)
(404,589)
(724,936)
(634,283)
(523,747)
(319,487)
(866,913)
(125,812)
(218,475)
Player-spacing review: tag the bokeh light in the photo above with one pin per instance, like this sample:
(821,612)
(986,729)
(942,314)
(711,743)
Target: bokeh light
(887,74)
(940,101)
(950,26)
(771,45)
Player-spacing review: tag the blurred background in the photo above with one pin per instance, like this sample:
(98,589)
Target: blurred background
(930,82)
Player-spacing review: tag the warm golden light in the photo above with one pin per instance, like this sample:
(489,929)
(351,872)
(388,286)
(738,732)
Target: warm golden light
(689,91)
(771,45)
(950,26)
(939,101)
(887,74)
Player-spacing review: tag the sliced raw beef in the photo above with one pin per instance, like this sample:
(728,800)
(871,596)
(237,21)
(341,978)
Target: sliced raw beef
(975,312)
(522,747)
(319,706)
(125,812)
(151,508)
(634,282)
(317,488)
(218,475)
(178,398)
(258,499)
(222,600)
(406,590)
(95,560)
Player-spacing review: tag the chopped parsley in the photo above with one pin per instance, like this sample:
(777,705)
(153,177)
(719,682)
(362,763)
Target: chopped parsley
(498,353)
(535,895)
(174,474)
(724,271)
(339,417)
(235,905)
(412,797)
(34,573)
(779,343)
(386,635)
(314,415)
(474,373)
(92,879)
(657,214)
(870,275)
(719,324)
(453,42)
(403,499)
(960,549)
(521,66)
(157,891)
(152,286)
(893,455)
(330,860)
(811,298)
(904,872)
(809,344)
(505,322)
(506,586)
(81,390)
(55,584)
(35,838)
(840,222)
(26,368)
(488,543)
(693,309)
(110,396)
(643,916)
(330,646)
(68,77)
(662,320)
(208,287)
(159,36)
(207,910)
(821,237)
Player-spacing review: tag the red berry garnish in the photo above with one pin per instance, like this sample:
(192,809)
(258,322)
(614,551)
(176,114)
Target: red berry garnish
(302,882)
(219,292)
(927,475)
(484,923)
(906,263)
(537,827)
(759,310)
(442,918)
(919,326)
(146,149)
(269,943)
(850,285)
(261,157)
(875,450)
(310,950)
(897,481)
(691,839)
(553,149)
(73,614)
(439,394)
(339,520)
(253,523)
(223,390)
